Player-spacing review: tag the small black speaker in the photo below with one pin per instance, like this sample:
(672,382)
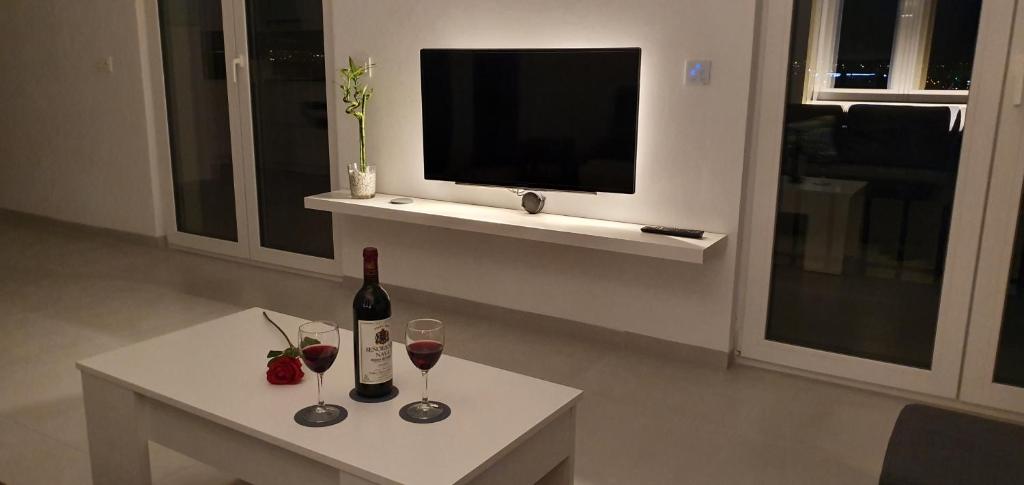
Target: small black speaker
(533,202)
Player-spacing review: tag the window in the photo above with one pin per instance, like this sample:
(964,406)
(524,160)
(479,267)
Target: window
(952,44)
(865,44)
(892,50)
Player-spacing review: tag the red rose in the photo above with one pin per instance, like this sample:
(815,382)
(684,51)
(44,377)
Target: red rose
(284,370)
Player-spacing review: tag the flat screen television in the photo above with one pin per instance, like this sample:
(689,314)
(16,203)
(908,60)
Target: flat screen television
(558,119)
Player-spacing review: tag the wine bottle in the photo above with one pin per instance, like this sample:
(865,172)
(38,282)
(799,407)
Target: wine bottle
(371,332)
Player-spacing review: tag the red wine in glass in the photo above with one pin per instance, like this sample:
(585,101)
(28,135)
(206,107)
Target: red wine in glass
(318,345)
(319,357)
(424,341)
(425,353)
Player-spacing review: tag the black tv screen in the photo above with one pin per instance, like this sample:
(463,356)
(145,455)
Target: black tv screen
(560,119)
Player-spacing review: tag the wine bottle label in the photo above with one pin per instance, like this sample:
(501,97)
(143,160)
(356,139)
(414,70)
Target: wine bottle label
(374,351)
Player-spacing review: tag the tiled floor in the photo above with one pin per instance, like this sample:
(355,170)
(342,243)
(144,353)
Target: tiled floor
(66,294)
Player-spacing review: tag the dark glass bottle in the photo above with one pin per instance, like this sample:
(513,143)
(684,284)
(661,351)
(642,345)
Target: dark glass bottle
(371,332)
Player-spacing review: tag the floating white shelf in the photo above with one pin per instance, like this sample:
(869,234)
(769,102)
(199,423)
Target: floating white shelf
(619,237)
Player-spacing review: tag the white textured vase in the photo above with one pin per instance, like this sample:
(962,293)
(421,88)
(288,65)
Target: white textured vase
(363,185)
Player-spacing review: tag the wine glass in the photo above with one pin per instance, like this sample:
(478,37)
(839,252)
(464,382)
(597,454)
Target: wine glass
(318,344)
(424,341)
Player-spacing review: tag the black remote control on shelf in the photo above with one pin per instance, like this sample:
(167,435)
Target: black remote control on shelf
(673,231)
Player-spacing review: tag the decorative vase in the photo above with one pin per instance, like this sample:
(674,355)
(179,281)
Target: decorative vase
(363,185)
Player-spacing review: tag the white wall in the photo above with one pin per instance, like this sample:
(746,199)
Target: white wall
(73,146)
(689,160)
(73,139)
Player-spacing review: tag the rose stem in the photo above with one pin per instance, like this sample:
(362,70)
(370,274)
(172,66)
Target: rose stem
(278,329)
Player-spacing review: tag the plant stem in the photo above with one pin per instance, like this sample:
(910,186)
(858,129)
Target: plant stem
(362,143)
(278,329)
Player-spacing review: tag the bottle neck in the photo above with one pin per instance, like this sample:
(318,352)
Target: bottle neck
(370,276)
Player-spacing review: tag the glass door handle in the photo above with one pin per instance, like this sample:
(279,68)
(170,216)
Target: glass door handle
(236,63)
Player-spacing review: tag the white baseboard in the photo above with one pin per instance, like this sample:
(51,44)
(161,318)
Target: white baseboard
(44,221)
(892,391)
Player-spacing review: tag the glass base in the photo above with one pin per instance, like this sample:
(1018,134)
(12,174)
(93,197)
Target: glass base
(424,410)
(418,412)
(318,416)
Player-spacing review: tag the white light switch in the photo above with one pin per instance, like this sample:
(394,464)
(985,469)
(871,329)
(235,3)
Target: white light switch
(698,72)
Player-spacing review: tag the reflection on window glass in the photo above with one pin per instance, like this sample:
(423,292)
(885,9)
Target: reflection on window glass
(1010,356)
(862,223)
(952,45)
(865,44)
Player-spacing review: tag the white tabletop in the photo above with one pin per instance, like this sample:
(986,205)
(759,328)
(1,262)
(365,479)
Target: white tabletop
(217,370)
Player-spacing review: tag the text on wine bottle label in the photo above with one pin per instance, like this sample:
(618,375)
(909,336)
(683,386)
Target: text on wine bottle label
(374,351)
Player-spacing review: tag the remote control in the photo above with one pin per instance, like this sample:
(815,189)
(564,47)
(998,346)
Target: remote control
(673,231)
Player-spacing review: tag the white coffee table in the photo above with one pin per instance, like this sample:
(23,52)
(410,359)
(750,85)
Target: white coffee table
(202,391)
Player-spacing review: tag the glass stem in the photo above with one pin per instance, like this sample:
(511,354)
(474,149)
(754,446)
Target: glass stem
(319,386)
(425,385)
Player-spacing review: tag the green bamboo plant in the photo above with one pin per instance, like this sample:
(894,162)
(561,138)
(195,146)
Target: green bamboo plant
(356,97)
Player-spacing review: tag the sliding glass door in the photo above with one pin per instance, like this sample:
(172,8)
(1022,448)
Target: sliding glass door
(870,183)
(285,131)
(993,372)
(247,104)
(208,189)
(866,196)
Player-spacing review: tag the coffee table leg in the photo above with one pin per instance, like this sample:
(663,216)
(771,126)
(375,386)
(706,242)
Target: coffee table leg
(564,472)
(118,451)
(560,475)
